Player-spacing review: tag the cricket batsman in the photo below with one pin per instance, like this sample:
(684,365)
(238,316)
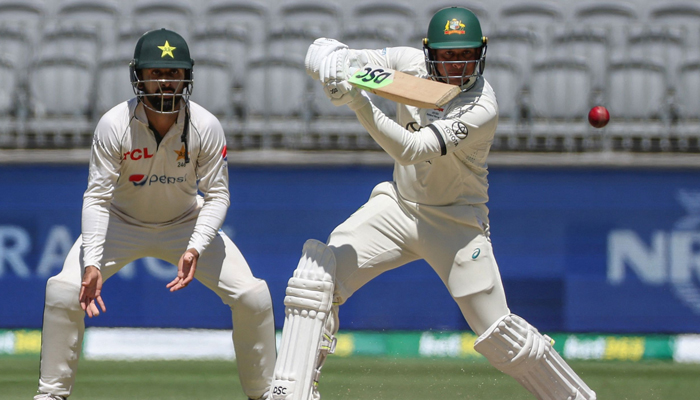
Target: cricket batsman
(150,157)
(434,209)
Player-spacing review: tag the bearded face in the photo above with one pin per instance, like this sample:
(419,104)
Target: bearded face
(162,89)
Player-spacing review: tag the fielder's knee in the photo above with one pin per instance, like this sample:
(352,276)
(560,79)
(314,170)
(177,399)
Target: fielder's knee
(62,294)
(256,299)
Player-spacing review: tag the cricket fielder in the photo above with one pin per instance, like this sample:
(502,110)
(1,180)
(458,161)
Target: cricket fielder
(434,209)
(150,157)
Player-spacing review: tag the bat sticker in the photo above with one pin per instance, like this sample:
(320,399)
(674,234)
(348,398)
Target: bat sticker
(372,77)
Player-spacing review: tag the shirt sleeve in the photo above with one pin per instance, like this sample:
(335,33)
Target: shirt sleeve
(404,146)
(466,125)
(212,172)
(105,165)
(463,127)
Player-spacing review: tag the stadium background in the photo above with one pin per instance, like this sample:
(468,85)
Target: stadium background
(596,231)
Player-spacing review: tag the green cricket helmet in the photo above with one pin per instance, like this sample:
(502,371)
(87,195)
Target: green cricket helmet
(164,49)
(455,28)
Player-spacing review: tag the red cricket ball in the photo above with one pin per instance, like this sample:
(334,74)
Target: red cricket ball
(598,117)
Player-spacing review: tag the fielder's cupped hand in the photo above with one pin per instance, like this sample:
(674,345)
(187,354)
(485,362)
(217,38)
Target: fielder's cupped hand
(320,49)
(90,291)
(186,268)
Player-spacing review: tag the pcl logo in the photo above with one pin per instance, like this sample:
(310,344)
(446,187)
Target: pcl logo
(672,257)
(138,154)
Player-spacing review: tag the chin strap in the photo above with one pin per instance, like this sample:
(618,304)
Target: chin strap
(185,131)
(471,81)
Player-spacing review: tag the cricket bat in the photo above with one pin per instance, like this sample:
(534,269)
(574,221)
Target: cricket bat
(403,88)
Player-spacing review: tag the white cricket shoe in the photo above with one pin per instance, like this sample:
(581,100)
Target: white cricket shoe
(47,396)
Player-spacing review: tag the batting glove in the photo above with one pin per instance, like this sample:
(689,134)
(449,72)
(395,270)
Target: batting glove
(334,75)
(320,49)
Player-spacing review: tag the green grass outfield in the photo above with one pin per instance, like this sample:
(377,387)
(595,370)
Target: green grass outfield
(359,378)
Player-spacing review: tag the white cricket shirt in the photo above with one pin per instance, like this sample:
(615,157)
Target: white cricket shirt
(149,184)
(440,155)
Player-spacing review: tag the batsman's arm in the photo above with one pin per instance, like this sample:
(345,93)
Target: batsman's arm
(474,125)
(402,145)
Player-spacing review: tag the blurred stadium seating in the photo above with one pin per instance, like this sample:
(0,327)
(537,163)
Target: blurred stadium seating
(65,62)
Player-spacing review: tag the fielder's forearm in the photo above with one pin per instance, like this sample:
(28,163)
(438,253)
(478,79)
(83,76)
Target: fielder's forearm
(211,218)
(94,224)
(212,173)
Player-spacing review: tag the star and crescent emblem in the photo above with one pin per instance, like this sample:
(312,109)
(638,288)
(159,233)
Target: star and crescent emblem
(181,153)
(167,50)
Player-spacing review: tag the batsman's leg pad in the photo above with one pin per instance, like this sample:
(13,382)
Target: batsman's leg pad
(307,335)
(516,348)
(254,339)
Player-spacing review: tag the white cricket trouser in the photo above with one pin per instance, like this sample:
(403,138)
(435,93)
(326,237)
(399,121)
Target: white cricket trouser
(388,232)
(221,268)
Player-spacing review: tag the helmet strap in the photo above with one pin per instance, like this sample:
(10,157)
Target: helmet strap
(185,131)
